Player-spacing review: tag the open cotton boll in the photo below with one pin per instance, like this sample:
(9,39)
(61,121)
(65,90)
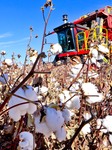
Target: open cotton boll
(16,100)
(75,70)
(61,134)
(43,90)
(74,87)
(93,99)
(4,78)
(94,53)
(41,127)
(15,114)
(9,62)
(32,108)
(30,93)
(67,114)
(103,49)
(86,129)
(107,122)
(54,119)
(87,115)
(20,109)
(75,102)
(55,48)
(90,90)
(64,96)
(26,141)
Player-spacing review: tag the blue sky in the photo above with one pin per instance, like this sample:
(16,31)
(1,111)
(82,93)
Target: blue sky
(16,17)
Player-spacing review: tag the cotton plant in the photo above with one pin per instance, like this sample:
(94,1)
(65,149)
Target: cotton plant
(91,91)
(16,112)
(26,141)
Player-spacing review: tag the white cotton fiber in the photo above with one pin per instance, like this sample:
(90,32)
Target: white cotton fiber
(107,122)
(41,127)
(86,129)
(26,141)
(15,114)
(55,48)
(67,114)
(54,119)
(30,93)
(91,91)
(61,134)
(32,108)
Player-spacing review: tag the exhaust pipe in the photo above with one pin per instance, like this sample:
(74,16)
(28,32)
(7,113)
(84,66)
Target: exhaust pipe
(65,18)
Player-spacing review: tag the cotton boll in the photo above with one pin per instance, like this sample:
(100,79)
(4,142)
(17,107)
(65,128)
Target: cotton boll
(41,127)
(61,97)
(61,134)
(30,93)
(92,99)
(75,102)
(67,114)
(94,53)
(64,96)
(87,115)
(9,62)
(107,122)
(32,108)
(55,48)
(4,78)
(43,90)
(54,119)
(75,70)
(16,100)
(26,141)
(103,49)
(90,90)
(74,87)
(15,114)
(36,89)
(86,129)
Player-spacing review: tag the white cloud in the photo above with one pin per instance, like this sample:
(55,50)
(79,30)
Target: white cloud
(13,42)
(5,35)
